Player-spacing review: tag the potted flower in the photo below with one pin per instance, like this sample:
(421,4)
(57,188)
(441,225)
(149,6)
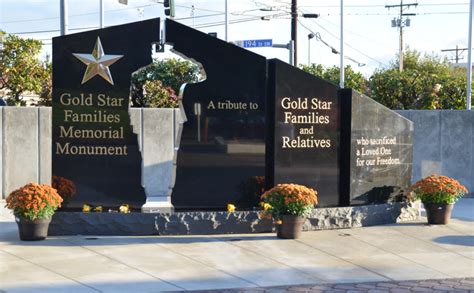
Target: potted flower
(289,204)
(33,205)
(438,194)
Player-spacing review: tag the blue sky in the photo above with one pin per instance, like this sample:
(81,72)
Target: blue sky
(370,39)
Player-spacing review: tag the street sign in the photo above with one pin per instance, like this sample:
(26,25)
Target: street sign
(254,43)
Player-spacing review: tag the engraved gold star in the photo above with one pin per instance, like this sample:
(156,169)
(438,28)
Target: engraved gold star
(97,63)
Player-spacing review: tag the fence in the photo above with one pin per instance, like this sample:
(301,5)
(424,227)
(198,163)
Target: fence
(443,143)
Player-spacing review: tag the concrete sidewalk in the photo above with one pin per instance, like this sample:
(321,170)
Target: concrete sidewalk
(398,252)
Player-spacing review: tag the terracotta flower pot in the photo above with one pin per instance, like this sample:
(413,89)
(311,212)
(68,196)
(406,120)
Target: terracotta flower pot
(291,227)
(32,230)
(438,214)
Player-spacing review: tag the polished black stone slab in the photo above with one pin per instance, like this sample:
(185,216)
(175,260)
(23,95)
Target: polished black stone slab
(377,151)
(221,157)
(93,142)
(306,129)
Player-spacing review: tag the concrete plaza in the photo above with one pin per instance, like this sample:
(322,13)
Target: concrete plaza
(389,253)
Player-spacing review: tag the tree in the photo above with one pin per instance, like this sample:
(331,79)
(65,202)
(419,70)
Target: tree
(21,69)
(46,93)
(427,82)
(352,79)
(171,74)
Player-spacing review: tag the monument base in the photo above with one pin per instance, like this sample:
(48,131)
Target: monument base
(201,223)
(158,205)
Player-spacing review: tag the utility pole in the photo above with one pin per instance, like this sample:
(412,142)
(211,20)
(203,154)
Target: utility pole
(458,51)
(294,27)
(401,23)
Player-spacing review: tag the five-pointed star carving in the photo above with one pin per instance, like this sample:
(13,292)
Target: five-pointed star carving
(97,63)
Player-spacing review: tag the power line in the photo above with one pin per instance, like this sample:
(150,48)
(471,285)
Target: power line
(74,15)
(53,31)
(348,45)
(216,13)
(349,31)
(381,5)
(219,23)
(231,22)
(389,14)
(458,51)
(333,50)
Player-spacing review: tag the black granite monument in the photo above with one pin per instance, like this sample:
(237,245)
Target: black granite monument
(221,157)
(376,152)
(308,130)
(304,148)
(250,124)
(93,142)
(348,147)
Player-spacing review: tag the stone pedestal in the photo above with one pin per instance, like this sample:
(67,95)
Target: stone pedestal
(158,204)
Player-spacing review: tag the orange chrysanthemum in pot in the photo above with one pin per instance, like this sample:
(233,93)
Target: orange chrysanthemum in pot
(33,205)
(438,189)
(289,204)
(438,194)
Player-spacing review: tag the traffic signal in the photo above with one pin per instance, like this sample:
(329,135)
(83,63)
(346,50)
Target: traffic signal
(169,7)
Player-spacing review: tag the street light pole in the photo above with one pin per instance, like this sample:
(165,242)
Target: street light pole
(341,71)
(64,20)
(226,22)
(101,13)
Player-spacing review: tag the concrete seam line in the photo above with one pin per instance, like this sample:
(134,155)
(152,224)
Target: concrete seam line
(440,117)
(127,265)
(142,141)
(174,131)
(345,260)
(203,263)
(434,244)
(50,270)
(411,260)
(3,153)
(38,142)
(310,275)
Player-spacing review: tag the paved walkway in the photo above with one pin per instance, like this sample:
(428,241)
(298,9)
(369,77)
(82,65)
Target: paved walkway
(449,285)
(375,255)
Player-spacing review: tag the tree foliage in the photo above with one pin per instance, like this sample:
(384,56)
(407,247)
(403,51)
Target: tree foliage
(352,79)
(46,93)
(426,82)
(21,70)
(164,79)
(159,96)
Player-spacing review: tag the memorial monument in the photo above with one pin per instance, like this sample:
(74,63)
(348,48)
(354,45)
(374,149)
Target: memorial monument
(93,142)
(250,124)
